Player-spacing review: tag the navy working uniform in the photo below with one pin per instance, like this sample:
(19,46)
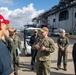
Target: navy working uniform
(17,43)
(14,53)
(43,58)
(63,42)
(5,60)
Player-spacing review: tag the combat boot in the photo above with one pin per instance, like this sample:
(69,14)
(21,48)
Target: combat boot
(65,69)
(58,67)
(15,73)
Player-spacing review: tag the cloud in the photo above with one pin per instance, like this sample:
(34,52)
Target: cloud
(6,2)
(20,17)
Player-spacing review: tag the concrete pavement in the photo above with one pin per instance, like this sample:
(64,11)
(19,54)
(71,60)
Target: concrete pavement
(25,63)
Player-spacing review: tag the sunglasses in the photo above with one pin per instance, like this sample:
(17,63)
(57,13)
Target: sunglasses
(35,32)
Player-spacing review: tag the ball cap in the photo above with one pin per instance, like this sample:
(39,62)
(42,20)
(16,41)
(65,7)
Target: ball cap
(12,29)
(62,31)
(2,20)
(44,29)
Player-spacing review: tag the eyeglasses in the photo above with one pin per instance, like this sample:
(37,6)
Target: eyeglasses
(35,32)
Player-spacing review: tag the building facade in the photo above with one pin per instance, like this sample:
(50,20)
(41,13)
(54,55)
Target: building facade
(62,15)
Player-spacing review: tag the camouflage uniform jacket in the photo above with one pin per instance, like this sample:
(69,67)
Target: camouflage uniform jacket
(50,47)
(64,42)
(12,49)
(17,42)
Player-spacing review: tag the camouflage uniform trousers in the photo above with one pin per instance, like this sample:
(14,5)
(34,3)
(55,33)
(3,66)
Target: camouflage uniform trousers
(43,67)
(63,54)
(18,61)
(15,66)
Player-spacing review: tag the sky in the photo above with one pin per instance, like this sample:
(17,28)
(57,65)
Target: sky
(21,12)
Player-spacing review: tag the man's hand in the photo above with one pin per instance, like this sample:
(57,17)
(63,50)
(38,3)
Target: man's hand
(37,46)
(6,33)
(62,48)
(42,48)
(12,73)
(20,52)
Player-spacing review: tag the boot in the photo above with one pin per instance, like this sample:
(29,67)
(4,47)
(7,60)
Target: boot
(65,69)
(15,73)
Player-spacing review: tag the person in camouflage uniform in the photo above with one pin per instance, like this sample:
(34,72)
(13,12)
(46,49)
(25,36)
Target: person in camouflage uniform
(33,40)
(16,43)
(62,43)
(45,46)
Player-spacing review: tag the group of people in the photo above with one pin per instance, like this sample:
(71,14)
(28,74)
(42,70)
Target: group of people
(10,48)
(41,48)
(43,45)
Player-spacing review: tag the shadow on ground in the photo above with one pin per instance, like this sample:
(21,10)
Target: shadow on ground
(55,73)
(26,67)
(55,61)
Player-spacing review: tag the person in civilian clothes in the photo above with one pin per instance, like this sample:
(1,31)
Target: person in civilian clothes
(34,38)
(5,58)
(74,56)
